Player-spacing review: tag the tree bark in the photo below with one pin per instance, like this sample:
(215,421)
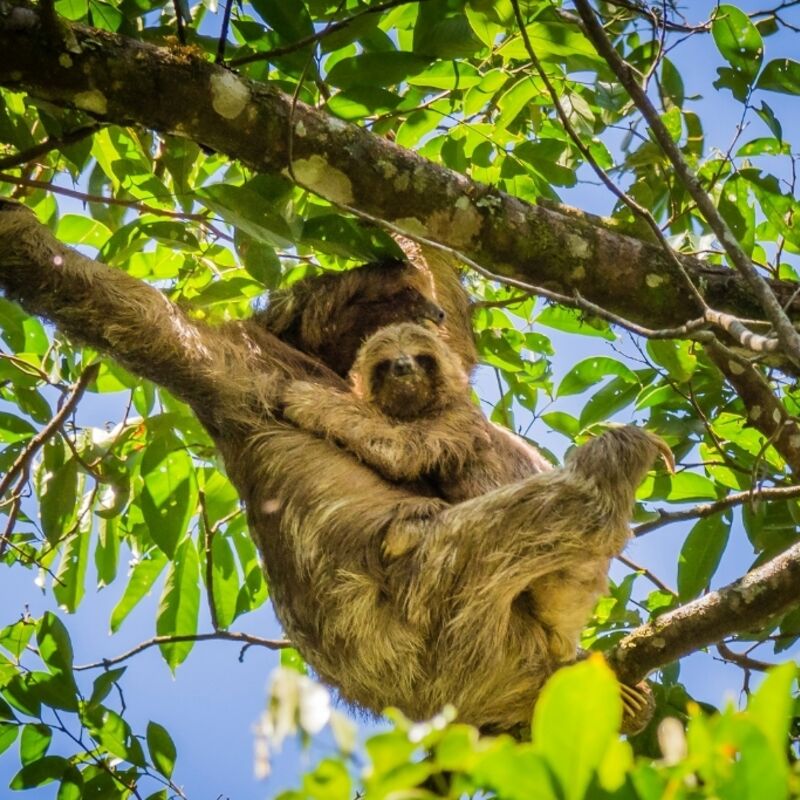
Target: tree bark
(173,91)
(745,604)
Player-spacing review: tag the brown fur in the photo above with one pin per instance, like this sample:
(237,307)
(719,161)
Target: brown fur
(421,424)
(456,619)
(410,416)
(330,315)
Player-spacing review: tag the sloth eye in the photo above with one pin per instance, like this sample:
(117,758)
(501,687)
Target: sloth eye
(428,363)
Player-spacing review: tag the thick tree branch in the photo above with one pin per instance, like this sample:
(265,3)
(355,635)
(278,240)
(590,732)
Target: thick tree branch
(92,303)
(129,82)
(764,592)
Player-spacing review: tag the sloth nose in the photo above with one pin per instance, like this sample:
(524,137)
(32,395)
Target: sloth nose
(402,365)
(433,314)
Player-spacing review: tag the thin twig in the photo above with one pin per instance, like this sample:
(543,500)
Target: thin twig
(137,205)
(742,659)
(231,636)
(51,143)
(266,55)
(707,509)
(87,376)
(223,34)
(208,539)
(651,576)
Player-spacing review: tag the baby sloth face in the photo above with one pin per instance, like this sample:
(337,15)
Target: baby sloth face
(408,372)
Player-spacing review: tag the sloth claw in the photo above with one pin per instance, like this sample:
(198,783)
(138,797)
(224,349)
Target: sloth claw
(638,706)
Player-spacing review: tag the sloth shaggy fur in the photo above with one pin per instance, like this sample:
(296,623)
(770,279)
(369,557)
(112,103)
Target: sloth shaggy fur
(410,416)
(455,618)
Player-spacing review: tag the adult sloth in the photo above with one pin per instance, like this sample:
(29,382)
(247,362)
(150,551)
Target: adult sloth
(441,623)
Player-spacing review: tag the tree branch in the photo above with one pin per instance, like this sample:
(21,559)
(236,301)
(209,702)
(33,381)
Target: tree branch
(124,82)
(747,603)
(72,400)
(707,509)
(51,143)
(230,636)
(788,336)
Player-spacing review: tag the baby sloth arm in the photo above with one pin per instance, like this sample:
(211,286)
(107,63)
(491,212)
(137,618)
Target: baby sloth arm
(400,452)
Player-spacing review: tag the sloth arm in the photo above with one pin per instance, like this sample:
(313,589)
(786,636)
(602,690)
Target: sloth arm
(402,451)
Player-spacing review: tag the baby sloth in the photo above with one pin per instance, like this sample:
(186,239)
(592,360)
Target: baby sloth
(410,417)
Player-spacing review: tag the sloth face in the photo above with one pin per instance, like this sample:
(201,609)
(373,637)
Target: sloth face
(408,372)
(331,315)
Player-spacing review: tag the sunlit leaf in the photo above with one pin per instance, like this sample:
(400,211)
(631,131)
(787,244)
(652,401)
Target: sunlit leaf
(701,554)
(162,748)
(179,603)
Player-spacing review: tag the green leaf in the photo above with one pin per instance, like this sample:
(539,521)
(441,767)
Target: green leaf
(676,356)
(330,780)
(574,750)
(179,604)
(771,706)
(247,210)
(143,576)
(169,497)
(8,735)
(106,553)
(70,585)
(162,749)
(701,554)
(55,648)
(613,397)
(77,229)
(14,429)
(14,638)
(738,40)
(34,742)
(291,22)
(590,371)
(57,690)
(738,210)
(224,579)
(362,101)
(563,423)
(58,496)
(71,785)
(103,684)
(38,773)
(514,100)
(452,75)
(23,333)
(514,773)
(771,121)
(683,487)
(21,694)
(376,69)
(111,731)
(781,75)
(572,321)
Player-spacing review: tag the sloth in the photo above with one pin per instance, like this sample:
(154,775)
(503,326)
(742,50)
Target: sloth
(330,315)
(410,416)
(451,619)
